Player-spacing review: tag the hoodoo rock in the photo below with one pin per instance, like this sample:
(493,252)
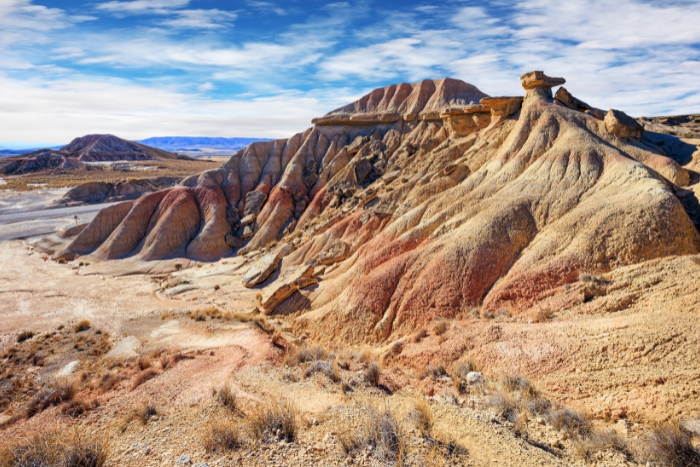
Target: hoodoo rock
(422,204)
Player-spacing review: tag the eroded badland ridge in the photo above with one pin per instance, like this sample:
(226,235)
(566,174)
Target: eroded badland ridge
(435,243)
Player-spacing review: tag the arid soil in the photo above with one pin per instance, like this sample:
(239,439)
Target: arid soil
(625,369)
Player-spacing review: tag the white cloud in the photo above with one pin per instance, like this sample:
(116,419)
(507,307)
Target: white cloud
(200,19)
(141,7)
(17,15)
(40,110)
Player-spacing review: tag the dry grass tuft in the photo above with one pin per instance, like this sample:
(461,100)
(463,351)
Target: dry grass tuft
(61,392)
(588,446)
(78,407)
(222,435)
(273,422)
(440,327)
(433,371)
(83,325)
(24,336)
(226,396)
(422,416)
(372,374)
(570,422)
(144,376)
(671,446)
(49,450)
(145,412)
(330,369)
(305,354)
(543,316)
(381,432)
(419,335)
(277,339)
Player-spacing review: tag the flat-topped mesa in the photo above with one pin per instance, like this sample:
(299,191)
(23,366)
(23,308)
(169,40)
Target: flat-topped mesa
(463,121)
(422,101)
(539,85)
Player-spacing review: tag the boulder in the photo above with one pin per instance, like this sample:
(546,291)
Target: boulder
(253,203)
(249,219)
(261,270)
(335,253)
(474,377)
(292,280)
(622,125)
(233,241)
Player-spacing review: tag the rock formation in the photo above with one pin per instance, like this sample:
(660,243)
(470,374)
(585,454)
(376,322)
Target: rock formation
(99,192)
(90,148)
(422,201)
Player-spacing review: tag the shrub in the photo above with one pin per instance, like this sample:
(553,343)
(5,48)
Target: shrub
(145,412)
(440,327)
(519,384)
(24,335)
(277,339)
(422,416)
(78,407)
(570,422)
(372,374)
(83,325)
(381,432)
(227,397)
(51,449)
(329,369)
(305,355)
(504,405)
(274,422)
(419,335)
(144,376)
(58,394)
(671,446)
(432,371)
(543,316)
(109,381)
(222,436)
(589,445)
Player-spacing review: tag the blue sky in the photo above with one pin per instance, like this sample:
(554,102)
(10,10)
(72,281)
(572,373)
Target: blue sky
(140,68)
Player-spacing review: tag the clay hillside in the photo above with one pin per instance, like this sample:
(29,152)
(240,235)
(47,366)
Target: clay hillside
(426,200)
(90,148)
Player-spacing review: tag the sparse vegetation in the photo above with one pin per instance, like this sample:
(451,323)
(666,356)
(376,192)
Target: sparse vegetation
(440,327)
(432,371)
(586,447)
(82,326)
(419,335)
(670,446)
(51,449)
(78,407)
(372,374)
(24,335)
(226,397)
(222,435)
(273,422)
(144,376)
(422,416)
(381,432)
(61,392)
(570,422)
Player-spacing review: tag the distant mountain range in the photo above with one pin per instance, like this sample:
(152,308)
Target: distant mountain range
(198,143)
(192,145)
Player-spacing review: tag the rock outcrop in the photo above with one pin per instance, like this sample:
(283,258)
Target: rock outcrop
(100,192)
(421,203)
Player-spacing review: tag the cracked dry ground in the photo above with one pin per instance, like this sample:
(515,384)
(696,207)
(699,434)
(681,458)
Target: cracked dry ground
(625,369)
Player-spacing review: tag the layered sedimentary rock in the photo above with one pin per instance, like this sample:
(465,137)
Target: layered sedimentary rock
(494,203)
(90,148)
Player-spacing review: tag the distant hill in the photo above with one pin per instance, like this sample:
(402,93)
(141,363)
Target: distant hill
(194,144)
(82,150)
